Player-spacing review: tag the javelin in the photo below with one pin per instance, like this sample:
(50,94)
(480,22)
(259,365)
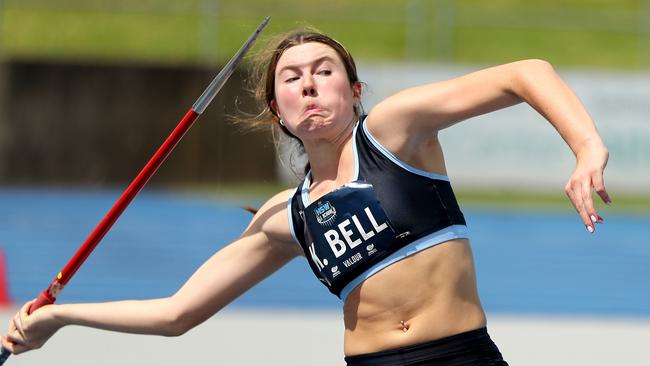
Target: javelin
(50,294)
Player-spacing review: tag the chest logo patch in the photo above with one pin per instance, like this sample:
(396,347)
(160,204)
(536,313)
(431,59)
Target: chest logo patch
(325,213)
(347,231)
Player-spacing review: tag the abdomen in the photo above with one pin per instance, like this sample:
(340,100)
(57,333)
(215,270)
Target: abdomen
(429,295)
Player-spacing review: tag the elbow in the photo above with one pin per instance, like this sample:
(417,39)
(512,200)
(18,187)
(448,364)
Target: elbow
(527,75)
(537,64)
(176,326)
(537,67)
(173,330)
(174,322)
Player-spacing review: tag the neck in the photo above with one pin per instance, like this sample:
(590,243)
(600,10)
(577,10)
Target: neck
(330,159)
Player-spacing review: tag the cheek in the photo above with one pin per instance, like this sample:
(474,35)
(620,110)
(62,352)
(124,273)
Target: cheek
(341,91)
(286,98)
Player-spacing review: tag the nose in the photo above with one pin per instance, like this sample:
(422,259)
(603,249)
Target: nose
(309,92)
(309,88)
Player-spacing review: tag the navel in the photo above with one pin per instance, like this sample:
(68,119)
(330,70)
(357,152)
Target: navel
(405,326)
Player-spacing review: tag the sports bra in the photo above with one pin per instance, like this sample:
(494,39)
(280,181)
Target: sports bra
(389,211)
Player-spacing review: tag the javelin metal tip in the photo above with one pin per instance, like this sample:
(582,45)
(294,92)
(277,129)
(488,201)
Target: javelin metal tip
(264,23)
(216,84)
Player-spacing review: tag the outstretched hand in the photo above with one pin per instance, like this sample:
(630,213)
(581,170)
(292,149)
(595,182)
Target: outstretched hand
(586,178)
(28,332)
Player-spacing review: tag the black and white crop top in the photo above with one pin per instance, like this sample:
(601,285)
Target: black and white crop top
(388,212)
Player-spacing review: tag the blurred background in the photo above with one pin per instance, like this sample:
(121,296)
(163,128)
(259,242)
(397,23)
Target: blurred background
(90,89)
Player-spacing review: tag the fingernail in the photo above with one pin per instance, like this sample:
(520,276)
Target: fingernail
(593,218)
(608,203)
(590,229)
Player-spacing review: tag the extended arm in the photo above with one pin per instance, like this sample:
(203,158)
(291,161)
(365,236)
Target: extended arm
(261,250)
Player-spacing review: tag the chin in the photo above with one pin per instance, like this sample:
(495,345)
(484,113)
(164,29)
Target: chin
(315,129)
(314,123)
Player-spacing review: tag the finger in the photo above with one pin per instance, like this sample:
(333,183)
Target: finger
(25,308)
(6,344)
(11,326)
(20,317)
(18,349)
(569,192)
(17,344)
(573,192)
(15,339)
(18,325)
(599,186)
(588,203)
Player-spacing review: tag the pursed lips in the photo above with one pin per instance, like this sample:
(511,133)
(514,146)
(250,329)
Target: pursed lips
(312,108)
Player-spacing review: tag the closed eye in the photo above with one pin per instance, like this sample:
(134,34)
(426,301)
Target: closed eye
(291,79)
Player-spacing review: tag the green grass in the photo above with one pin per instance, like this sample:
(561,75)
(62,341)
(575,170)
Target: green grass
(598,33)
(79,35)
(627,204)
(558,47)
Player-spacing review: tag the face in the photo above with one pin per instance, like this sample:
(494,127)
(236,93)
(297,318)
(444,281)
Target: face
(312,92)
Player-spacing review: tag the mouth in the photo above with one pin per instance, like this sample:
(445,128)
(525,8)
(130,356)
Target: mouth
(312,108)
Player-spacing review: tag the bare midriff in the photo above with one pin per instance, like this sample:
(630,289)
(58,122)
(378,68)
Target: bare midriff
(427,296)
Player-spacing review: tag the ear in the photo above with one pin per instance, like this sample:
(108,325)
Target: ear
(274,108)
(356,89)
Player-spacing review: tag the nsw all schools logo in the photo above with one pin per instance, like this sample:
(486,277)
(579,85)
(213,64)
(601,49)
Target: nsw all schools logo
(325,213)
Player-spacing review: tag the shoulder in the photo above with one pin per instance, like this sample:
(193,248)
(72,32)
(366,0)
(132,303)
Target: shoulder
(271,221)
(279,198)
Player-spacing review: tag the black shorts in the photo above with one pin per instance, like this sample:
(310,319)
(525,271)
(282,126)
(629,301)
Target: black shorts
(473,348)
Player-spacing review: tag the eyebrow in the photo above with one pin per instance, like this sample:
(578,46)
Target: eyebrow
(315,61)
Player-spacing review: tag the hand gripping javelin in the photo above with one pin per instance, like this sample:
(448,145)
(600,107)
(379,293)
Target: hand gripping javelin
(50,294)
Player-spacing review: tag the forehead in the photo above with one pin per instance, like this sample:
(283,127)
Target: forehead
(305,54)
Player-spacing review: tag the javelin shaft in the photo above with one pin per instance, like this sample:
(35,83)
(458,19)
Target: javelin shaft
(118,208)
(49,296)
(51,293)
